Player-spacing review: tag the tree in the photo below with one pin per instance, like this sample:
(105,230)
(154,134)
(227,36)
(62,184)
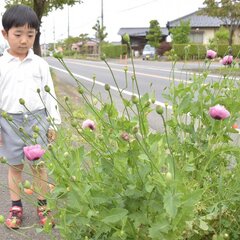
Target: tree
(69,41)
(42,8)
(181,33)
(154,34)
(84,38)
(100,33)
(227,10)
(221,36)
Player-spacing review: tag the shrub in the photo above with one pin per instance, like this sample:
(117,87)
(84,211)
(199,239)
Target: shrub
(190,51)
(114,51)
(164,47)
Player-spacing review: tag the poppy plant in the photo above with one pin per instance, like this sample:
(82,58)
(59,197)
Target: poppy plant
(219,112)
(211,54)
(88,124)
(33,152)
(227,60)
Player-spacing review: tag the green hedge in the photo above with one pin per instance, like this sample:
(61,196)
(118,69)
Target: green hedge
(190,51)
(198,51)
(223,50)
(114,51)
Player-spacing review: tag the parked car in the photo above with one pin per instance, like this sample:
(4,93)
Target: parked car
(148,52)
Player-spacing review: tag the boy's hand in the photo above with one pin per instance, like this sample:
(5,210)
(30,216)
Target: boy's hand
(51,135)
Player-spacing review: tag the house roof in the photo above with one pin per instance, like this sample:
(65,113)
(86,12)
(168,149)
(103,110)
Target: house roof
(90,42)
(197,20)
(137,32)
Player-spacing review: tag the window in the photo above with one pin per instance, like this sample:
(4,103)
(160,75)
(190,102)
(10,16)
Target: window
(196,37)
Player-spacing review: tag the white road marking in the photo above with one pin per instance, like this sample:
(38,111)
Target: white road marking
(103,84)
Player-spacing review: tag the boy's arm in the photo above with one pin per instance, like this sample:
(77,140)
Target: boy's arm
(51,135)
(50,100)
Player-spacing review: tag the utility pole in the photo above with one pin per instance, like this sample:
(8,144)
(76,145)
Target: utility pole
(68,23)
(102,14)
(54,36)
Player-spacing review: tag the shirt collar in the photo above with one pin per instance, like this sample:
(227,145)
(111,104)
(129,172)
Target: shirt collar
(10,57)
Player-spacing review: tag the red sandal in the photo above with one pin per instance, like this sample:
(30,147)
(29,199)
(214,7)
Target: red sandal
(14,219)
(45,216)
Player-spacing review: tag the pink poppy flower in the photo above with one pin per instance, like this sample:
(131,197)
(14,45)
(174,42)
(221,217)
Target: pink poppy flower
(88,124)
(227,60)
(33,152)
(219,112)
(125,136)
(211,54)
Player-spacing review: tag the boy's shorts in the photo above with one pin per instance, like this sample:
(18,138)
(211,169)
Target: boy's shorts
(14,140)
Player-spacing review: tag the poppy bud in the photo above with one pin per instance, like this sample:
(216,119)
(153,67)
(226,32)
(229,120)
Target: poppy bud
(47,88)
(22,101)
(159,109)
(134,99)
(126,38)
(80,90)
(3,160)
(107,87)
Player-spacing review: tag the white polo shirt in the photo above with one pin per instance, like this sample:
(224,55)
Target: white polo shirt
(21,79)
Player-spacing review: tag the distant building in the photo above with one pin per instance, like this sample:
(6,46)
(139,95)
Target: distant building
(138,36)
(88,47)
(203,27)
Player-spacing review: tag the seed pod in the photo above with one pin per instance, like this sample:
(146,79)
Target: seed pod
(107,87)
(126,38)
(27,184)
(36,129)
(3,160)
(47,88)
(4,115)
(135,130)
(22,101)
(159,109)
(80,90)
(134,99)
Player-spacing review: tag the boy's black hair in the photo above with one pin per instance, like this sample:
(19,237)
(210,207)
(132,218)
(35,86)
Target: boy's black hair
(18,16)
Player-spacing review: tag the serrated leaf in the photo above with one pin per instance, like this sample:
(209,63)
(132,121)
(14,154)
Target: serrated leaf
(149,187)
(115,215)
(158,228)
(171,203)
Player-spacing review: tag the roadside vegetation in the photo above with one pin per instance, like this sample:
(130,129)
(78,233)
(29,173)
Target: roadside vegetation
(115,178)
(121,180)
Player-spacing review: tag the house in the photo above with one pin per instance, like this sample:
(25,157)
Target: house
(203,27)
(138,36)
(89,47)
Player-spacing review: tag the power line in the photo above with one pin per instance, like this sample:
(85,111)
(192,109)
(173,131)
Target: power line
(138,6)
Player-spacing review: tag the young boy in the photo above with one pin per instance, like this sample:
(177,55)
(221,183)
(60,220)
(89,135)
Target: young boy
(23,75)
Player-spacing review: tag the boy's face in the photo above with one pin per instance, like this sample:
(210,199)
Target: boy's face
(20,40)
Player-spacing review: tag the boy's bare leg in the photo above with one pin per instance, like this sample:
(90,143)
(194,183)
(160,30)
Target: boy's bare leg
(40,179)
(14,178)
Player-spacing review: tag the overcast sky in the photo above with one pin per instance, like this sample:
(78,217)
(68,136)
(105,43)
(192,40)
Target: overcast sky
(116,14)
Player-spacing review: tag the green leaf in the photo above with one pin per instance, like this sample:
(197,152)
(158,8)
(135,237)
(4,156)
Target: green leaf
(158,228)
(171,203)
(203,225)
(115,215)
(149,187)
